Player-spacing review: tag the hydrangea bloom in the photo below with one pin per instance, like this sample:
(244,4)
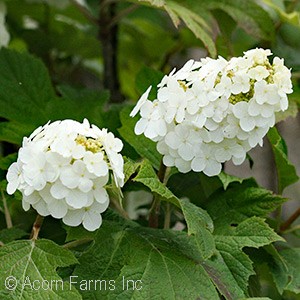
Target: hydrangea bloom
(62,170)
(214,110)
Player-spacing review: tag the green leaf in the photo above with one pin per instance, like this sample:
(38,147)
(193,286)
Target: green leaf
(286,172)
(167,264)
(77,104)
(147,77)
(198,221)
(249,16)
(6,161)
(285,270)
(252,232)
(88,95)
(148,257)
(199,225)
(195,217)
(33,264)
(238,203)
(194,22)
(147,176)
(236,213)
(180,11)
(130,168)
(25,88)
(226,179)
(13,132)
(257,298)
(28,100)
(292,17)
(143,146)
(78,233)
(10,234)
(195,186)
(232,265)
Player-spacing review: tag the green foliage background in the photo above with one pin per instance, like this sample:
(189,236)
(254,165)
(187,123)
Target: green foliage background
(233,245)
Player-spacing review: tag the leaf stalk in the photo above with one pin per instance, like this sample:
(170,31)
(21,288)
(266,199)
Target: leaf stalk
(284,226)
(36,227)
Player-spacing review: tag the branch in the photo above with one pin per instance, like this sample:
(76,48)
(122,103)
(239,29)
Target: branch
(6,211)
(108,37)
(123,13)
(284,226)
(85,12)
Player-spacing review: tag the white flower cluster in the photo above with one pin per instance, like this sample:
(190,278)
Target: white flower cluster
(214,110)
(62,170)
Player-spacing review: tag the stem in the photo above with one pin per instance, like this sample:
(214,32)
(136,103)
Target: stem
(120,209)
(284,226)
(36,227)
(6,212)
(77,243)
(85,12)
(123,13)
(108,37)
(155,208)
(292,229)
(167,216)
(154,212)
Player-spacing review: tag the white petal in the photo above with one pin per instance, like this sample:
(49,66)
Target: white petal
(238,160)
(161,127)
(140,126)
(58,190)
(74,217)
(182,165)
(33,198)
(51,173)
(78,152)
(76,198)
(140,103)
(41,208)
(284,103)
(85,185)
(100,181)
(12,187)
(101,169)
(69,178)
(198,164)
(172,140)
(222,155)
(247,124)
(169,161)
(101,195)
(239,109)
(150,131)
(99,207)
(186,151)
(58,208)
(91,221)
(212,168)
(25,205)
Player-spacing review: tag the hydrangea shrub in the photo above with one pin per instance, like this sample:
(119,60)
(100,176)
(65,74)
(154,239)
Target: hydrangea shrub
(93,200)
